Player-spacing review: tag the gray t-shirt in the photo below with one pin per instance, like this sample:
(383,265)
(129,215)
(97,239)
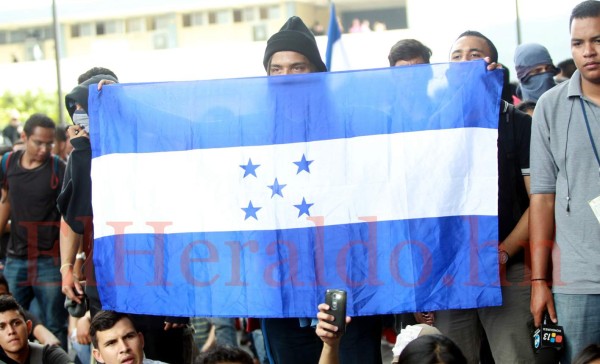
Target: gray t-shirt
(563,162)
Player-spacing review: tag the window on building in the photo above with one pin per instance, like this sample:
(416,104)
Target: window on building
(135,25)
(115,27)
(248,14)
(75,31)
(86,29)
(100,28)
(219,17)
(3,38)
(17,36)
(269,12)
(186,20)
(161,22)
(237,16)
(193,19)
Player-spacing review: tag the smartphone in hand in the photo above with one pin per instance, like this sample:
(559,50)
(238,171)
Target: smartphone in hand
(336,299)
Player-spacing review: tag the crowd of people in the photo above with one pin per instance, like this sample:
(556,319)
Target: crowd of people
(548,222)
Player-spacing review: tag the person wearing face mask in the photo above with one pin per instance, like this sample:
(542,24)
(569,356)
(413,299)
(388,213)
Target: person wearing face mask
(535,71)
(166,337)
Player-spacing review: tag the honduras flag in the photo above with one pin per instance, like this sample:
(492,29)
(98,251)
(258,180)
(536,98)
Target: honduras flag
(335,49)
(251,197)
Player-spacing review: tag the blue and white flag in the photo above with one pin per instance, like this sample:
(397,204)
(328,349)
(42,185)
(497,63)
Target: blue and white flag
(251,197)
(335,55)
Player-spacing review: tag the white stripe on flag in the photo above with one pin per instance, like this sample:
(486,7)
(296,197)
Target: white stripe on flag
(450,172)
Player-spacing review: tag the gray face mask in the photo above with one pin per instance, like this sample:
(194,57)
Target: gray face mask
(81,118)
(536,85)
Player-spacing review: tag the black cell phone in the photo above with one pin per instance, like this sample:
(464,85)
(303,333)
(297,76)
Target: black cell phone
(336,299)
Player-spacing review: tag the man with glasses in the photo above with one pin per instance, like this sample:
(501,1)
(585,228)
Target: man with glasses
(31,181)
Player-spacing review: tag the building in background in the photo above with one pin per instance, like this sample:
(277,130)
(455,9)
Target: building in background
(157,40)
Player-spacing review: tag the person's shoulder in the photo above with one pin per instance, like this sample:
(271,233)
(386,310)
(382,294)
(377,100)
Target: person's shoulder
(53,354)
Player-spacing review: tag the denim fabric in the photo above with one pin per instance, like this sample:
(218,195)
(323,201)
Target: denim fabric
(40,278)
(579,315)
(225,331)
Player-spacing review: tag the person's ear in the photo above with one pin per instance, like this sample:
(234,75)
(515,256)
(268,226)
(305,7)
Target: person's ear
(97,355)
(141,338)
(29,327)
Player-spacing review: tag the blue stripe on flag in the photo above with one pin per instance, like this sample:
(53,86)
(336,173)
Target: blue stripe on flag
(418,259)
(300,108)
(387,267)
(333,35)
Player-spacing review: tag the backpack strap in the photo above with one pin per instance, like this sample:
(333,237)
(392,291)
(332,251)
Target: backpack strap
(509,119)
(5,160)
(54,180)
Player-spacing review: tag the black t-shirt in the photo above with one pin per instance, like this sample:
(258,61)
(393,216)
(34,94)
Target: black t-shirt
(48,354)
(514,132)
(33,213)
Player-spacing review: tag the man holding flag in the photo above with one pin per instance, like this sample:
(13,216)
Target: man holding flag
(505,326)
(293,50)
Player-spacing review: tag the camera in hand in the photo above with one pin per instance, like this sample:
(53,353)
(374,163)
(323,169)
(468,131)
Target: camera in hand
(548,340)
(336,299)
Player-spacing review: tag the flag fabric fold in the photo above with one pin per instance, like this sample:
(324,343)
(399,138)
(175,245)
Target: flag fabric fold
(334,36)
(251,197)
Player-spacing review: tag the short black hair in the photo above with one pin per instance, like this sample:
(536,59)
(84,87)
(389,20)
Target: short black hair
(407,49)
(61,134)
(432,349)
(526,105)
(474,33)
(585,9)
(95,71)
(36,120)
(105,320)
(8,303)
(567,67)
(224,354)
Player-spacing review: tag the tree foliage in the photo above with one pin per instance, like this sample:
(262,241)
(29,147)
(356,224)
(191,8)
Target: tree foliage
(28,103)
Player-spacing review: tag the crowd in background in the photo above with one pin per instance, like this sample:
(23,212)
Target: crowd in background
(46,180)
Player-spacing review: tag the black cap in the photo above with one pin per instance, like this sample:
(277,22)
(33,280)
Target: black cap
(79,94)
(295,36)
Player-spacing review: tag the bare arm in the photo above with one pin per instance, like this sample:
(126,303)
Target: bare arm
(44,336)
(4,211)
(541,231)
(328,334)
(70,243)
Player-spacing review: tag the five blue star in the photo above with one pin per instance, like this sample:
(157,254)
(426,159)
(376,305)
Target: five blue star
(251,211)
(303,164)
(303,208)
(276,188)
(249,168)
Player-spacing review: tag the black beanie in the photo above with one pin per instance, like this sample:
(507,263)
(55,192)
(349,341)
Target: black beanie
(294,36)
(79,95)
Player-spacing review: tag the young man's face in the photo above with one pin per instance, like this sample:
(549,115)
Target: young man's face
(288,63)
(14,331)
(585,47)
(120,344)
(469,48)
(39,144)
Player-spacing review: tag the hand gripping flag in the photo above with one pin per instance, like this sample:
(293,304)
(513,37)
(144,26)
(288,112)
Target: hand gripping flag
(251,197)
